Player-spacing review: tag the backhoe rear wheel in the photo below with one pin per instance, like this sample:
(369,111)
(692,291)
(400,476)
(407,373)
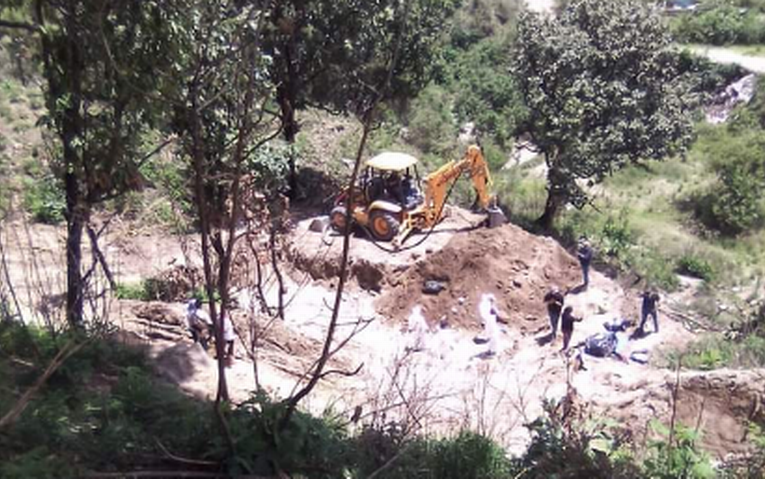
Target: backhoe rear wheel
(384,225)
(337,218)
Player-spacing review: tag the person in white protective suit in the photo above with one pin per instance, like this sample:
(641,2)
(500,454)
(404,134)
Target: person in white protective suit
(417,326)
(488,311)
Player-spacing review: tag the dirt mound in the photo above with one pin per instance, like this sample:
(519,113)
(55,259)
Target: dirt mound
(175,284)
(517,267)
(373,266)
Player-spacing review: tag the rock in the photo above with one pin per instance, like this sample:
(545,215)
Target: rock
(160,313)
(433,287)
(318,225)
(461,300)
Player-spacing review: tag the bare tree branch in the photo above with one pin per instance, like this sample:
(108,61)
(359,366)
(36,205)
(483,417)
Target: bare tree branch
(16,411)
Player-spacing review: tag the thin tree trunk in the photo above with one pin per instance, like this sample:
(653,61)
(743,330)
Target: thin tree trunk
(75,289)
(204,223)
(342,277)
(552,206)
(286,98)
(555,193)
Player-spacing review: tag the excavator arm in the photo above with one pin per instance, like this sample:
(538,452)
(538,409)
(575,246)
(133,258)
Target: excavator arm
(438,184)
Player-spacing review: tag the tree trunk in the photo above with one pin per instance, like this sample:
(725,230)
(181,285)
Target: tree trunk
(286,101)
(75,289)
(552,206)
(556,196)
(201,199)
(71,131)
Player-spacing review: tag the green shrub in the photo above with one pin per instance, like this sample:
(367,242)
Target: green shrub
(720,25)
(734,204)
(430,122)
(44,199)
(691,265)
(135,291)
(465,456)
(616,236)
(574,450)
(486,94)
(680,458)
(468,456)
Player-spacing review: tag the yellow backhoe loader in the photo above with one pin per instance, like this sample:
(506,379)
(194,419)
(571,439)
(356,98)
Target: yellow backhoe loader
(389,204)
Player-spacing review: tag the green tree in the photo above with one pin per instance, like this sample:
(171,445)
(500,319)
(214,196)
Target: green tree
(98,60)
(735,204)
(326,53)
(485,93)
(218,109)
(603,91)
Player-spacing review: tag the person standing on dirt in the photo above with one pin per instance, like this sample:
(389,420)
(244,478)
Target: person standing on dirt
(584,254)
(198,322)
(487,309)
(417,326)
(649,308)
(554,301)
(228,338)
(567,325)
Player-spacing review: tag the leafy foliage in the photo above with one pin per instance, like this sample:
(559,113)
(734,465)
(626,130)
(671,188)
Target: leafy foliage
(44,199)
(692,265)
(560,449)
(677,456)
(720,23)
(431,123)
(603,91)
(734,204)
(485,91)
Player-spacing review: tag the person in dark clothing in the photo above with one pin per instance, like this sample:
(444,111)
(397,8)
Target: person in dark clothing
(394,188)
(554,301)
(584,253)
(567,325)
(649,308)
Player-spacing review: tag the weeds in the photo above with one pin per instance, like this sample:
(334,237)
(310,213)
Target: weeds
(692,265)
(44,199)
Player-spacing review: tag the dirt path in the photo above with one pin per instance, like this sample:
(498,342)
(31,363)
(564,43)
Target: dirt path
(541,6)
(723,55)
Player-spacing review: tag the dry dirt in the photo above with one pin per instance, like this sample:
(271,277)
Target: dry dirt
(515,266)
(451,384)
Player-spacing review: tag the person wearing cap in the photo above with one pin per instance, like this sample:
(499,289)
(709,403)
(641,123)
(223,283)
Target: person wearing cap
(649,308)
(584,254)
(554,301)
(567,321)
(199,322)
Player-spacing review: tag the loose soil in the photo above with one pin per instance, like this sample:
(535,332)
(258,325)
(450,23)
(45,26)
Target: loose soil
(515,266)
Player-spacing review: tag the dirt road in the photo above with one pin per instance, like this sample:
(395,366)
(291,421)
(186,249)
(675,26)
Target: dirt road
(723,55)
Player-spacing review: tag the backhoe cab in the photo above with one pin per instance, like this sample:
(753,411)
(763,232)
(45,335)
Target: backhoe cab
(387,200)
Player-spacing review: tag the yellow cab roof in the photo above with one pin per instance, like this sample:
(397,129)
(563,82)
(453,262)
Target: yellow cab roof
(391,161)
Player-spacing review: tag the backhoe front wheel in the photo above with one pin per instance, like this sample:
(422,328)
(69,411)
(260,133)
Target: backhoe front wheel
(384,225)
